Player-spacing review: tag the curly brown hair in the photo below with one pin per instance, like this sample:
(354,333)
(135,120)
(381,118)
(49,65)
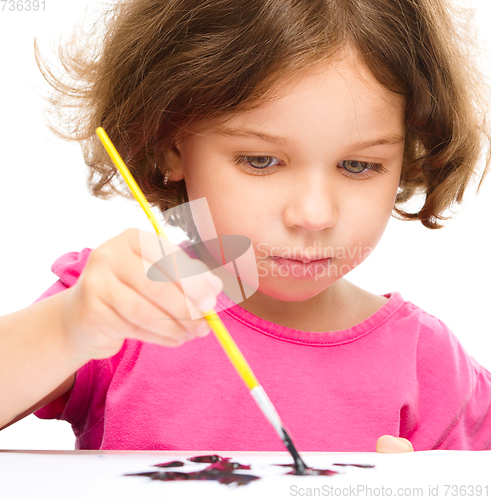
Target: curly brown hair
(158,67)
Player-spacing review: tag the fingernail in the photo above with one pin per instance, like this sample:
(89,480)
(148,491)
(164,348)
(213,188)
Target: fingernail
(215,282)
(207,303)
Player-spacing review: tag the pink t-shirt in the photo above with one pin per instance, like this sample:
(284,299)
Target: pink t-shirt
(400,372)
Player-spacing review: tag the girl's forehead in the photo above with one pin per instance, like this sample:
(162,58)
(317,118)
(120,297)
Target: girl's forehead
(344,72)
(343,84)
(337,92)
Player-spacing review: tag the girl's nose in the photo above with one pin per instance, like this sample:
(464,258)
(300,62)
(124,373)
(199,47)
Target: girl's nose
(311,203)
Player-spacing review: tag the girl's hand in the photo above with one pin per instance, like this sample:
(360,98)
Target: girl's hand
(114,299)
(391,444)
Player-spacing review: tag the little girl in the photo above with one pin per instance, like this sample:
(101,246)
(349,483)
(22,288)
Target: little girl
(304,124)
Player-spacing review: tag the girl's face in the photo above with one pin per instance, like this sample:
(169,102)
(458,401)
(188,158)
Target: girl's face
(313,173)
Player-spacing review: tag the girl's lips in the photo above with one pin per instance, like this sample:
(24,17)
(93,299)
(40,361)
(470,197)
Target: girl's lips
(299,269)
(302,260)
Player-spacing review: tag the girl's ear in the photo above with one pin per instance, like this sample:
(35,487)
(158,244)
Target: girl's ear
(170,159)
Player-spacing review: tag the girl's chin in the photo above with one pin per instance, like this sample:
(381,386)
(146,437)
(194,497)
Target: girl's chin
(291,291)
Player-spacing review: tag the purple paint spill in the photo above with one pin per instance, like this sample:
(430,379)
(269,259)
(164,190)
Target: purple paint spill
(207,459)
(176,463)
(223,470)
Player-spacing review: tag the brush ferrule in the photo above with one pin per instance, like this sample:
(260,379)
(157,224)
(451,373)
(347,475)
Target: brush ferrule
(263,401)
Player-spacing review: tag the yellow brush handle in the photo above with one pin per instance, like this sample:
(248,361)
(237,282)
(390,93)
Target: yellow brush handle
(128,178)
(226,341)
(233,352)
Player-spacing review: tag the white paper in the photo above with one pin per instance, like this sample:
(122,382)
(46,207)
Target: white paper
(99,475)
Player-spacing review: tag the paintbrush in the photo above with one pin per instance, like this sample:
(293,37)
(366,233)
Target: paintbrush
(226,341)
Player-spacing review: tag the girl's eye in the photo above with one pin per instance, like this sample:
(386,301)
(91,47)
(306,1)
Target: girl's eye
(356,168)
(257,162)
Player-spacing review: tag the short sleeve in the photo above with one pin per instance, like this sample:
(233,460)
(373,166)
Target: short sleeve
(68,407)
(453,394)
(68,268)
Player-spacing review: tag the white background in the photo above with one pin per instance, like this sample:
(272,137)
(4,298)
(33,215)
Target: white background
(46,211)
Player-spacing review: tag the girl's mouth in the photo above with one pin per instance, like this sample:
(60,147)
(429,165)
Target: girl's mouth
(306,268)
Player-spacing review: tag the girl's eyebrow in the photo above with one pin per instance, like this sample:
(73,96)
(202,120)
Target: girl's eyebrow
(389,140)
(242,132)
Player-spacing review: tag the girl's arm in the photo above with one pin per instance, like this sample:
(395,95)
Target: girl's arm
(36,364)
(59,391)
(43,345)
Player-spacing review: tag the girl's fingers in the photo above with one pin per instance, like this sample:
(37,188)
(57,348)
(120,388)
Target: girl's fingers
(117,300)
(391,444)
(144,316)
(142,335)
(169,298)
(204,284)
(169,295)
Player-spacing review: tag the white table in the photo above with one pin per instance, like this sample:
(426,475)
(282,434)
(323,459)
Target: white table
(73,475)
